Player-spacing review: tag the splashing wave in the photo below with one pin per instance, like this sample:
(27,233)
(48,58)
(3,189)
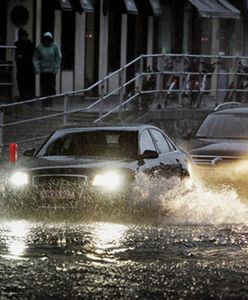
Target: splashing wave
(191,203)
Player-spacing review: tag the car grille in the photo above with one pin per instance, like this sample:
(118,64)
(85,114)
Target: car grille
(206,161)
(58,180)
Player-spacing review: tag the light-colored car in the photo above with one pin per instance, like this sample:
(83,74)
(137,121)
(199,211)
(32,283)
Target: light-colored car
(219,151)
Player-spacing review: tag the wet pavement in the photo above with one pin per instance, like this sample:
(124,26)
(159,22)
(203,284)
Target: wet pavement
(181,243)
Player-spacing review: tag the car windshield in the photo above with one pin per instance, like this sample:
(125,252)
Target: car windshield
(226,126)
(100,143)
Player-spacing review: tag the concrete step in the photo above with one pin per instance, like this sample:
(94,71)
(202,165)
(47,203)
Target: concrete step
(83,117)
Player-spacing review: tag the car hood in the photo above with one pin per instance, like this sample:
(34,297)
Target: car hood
(223,148)
(72,163)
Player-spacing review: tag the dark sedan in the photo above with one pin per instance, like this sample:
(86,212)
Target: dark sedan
(75,161)
(219,151)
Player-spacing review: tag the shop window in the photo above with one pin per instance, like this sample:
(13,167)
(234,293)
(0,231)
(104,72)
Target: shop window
(68,40)
(131,37)
(178,28)
(47,22)
(3,27)
(198,38)
(156,36)
(114,41)
(206,35)
(224,37)
(131,50)
(91,47)
(141,35)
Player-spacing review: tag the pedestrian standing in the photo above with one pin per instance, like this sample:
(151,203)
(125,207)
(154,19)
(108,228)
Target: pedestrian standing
(24,67)
(47,60)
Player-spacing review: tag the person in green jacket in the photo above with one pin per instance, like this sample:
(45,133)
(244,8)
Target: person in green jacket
(46,61)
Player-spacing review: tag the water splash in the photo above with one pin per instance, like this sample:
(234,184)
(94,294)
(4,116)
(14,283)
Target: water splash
(168,201)
(190,203)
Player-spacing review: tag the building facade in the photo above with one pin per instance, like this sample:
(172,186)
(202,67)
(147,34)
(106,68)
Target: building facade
(97,37)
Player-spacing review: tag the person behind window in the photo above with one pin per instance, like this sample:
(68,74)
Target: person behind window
(24,67)
(47,61)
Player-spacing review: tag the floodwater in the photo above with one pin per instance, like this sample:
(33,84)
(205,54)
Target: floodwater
(183,242)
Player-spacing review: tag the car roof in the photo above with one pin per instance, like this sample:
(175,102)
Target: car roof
(234,110)
(114,127)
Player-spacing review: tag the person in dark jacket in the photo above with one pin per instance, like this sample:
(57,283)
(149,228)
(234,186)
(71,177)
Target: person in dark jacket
(47,60)
(24,67)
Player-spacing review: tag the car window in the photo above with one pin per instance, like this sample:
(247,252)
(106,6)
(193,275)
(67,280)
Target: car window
(100,143)
(224,126)
(160,141)
(146,142)
(171,145)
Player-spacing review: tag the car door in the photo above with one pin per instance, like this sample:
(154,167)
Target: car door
(148,166)
(169,160)
(179,157)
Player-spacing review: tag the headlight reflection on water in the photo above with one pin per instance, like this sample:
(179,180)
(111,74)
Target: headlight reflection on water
(106,240)
(16,238)
(108,235)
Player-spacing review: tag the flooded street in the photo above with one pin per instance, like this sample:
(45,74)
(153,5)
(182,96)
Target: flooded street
(182,244)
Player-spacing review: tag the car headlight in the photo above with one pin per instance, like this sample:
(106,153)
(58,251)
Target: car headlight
(18,179)
(109,181)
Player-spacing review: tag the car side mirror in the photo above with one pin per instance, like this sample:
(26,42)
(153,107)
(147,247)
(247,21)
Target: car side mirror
(188,135)
(149,154)
(29,152)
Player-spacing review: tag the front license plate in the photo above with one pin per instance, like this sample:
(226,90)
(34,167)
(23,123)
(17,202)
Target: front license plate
(63,195)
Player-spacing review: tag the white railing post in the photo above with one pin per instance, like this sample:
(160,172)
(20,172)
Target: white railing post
(181,80)
(13,71)
(236,80)
(122,82)
(102,95)
(140,81)
(1,133)
(66,106)
(161,76)
(218,81)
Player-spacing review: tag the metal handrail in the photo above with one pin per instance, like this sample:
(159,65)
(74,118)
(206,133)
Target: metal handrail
(118,107)
(9,65)
(7,47)
(72,93)
(139,63)
(54,115)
